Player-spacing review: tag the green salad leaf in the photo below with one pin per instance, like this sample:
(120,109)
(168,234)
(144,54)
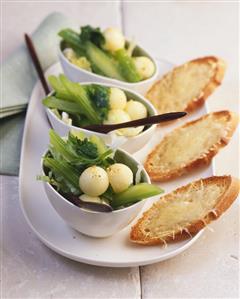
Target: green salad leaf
(83,148)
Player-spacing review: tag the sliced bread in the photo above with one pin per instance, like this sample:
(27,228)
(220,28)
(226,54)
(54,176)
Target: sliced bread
(185,211)
(186,87)
(191,145)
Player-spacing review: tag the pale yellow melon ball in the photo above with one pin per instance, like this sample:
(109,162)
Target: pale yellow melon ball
(117,98)
(120,177)
(135,110)
(94,181)
(114,39)
(145,67)
(117,116)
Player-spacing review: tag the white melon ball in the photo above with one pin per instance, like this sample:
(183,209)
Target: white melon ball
(114,39)
(131,132)
(94,181)
(120,177)
(117,98)
(145,67)
(69,53)
(117,116)
(135,110)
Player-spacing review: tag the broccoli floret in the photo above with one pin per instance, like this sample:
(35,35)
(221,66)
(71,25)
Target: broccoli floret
(88,33)
(99,96)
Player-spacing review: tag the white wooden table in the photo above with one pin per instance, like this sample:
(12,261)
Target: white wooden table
(176,31)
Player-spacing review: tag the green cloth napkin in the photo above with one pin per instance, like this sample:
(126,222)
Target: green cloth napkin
(18,78)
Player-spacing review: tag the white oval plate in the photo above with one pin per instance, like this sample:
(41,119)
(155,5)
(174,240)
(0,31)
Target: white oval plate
(116,251)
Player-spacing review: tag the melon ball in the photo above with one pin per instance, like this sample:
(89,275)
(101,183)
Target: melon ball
(117,116)
(69,53)
(135,110)
(94,181)
(120,177)
(145,67)
(117,98)
(114,39)
(131,132)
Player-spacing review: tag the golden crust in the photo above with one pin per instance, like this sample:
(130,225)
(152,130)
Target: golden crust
(202,160)
(209,88)
(223,203)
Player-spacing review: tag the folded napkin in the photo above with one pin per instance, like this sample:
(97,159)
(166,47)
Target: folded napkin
(18,77)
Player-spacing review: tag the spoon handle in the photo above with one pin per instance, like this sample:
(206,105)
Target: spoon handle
(138,122)
(36,62)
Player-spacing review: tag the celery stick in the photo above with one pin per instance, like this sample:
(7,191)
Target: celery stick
(71,37)
(60,90)
(60,146)
(103,62)
(63,169)
(127,66)
(135,193)
(70,107)
(79,95)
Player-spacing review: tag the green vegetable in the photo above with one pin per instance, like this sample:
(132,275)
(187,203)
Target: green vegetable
(135,193)
(90,43)
(70,107)
(73,92)
(99,96)
(59,146)
(82,148)
(79,95)
(102,148)
(126,66)
(80,135)
(60,90)
(103,62)
(93,35)
(64,171)
(67,159)
(72,38)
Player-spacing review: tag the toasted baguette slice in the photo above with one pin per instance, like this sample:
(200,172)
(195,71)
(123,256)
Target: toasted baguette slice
(185,211)
(190,146)
(186,87)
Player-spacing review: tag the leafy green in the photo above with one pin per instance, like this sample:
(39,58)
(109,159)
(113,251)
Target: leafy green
(64,174)
(67,159)
(99,96)
(88,33)
(101,146)
(83,148)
